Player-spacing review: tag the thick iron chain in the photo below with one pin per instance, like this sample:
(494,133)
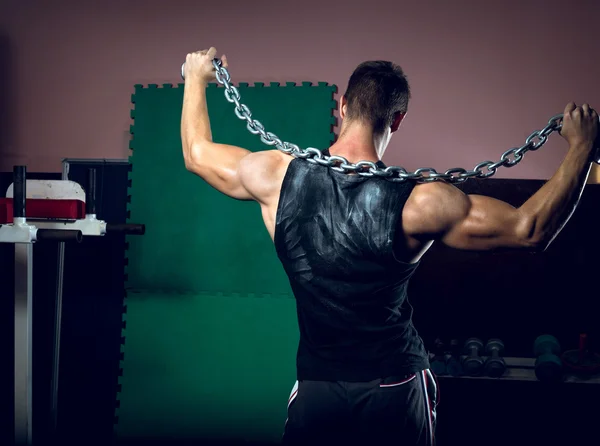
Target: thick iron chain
(455,175)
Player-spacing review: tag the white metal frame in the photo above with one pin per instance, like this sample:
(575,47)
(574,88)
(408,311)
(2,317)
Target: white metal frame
(22,235)
(23,342)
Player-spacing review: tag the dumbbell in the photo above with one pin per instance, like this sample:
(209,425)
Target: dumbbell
(438,363)
(494,365)
(473,363)
(452,357)
(548,366)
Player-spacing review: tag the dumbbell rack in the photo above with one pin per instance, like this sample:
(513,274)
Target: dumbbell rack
(523,369)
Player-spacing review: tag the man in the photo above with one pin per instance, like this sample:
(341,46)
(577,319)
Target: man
(349,245)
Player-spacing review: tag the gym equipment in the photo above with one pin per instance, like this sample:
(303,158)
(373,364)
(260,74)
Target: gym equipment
(548,366)
(494,365)
(55,206)
(58,194)
(484,169)
(473,362)
(201,355)
(582,361)
(438,362)
(23,235)
(201,283)
(14,227)
(452,357)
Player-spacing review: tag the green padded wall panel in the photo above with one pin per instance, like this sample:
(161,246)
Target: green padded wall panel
(207,366)
(196,238)
(210,330)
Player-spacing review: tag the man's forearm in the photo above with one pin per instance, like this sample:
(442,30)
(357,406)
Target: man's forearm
(195,124)
(551,207)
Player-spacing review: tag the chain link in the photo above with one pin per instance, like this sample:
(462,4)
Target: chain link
(485,169)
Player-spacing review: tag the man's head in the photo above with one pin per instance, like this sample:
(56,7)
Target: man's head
(377,95)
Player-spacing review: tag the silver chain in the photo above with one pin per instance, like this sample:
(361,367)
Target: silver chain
(485,169)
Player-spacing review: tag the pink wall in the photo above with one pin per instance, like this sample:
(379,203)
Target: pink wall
(483,74)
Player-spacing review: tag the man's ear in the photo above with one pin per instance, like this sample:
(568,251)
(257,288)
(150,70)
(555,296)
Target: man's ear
(397,121)
(343,107)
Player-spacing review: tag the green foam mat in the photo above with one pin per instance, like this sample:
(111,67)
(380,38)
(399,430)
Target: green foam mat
(209,348)
(207,366)
(196,238)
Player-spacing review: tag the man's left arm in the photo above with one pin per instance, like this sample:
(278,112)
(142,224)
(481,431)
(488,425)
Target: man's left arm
(218,164)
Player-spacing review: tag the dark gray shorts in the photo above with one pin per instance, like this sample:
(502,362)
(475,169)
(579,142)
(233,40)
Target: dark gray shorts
(391,411)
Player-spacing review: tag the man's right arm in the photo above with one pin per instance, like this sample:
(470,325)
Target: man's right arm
(439,211)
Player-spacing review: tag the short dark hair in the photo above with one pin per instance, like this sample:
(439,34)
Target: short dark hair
(377,90)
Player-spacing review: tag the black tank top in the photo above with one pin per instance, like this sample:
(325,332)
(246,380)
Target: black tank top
(335,236)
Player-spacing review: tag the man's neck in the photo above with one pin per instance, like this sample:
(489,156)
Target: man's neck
(355,144)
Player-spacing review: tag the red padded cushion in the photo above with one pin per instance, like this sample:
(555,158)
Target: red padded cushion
(41,208)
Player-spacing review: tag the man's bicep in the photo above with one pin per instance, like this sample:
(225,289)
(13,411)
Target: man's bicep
(219,165)
(488,224)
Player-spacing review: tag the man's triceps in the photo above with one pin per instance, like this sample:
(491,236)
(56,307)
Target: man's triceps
(489,224)
(219,165)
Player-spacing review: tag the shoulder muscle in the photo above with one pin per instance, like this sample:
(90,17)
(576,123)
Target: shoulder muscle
(433,208)
(261,173)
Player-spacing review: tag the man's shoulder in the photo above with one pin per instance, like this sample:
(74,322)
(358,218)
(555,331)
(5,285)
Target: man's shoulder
(262,173)
(432,206)
(433,191)
(266,159)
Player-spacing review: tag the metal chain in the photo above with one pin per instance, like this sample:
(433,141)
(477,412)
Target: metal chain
(485,169)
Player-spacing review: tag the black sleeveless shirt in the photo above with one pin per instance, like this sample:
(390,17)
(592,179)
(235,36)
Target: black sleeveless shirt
(335,236)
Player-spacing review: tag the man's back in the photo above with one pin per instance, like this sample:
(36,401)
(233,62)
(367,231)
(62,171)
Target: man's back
(342,240)
(339,238)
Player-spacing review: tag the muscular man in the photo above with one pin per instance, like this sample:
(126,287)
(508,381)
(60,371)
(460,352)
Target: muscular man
(349,245)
